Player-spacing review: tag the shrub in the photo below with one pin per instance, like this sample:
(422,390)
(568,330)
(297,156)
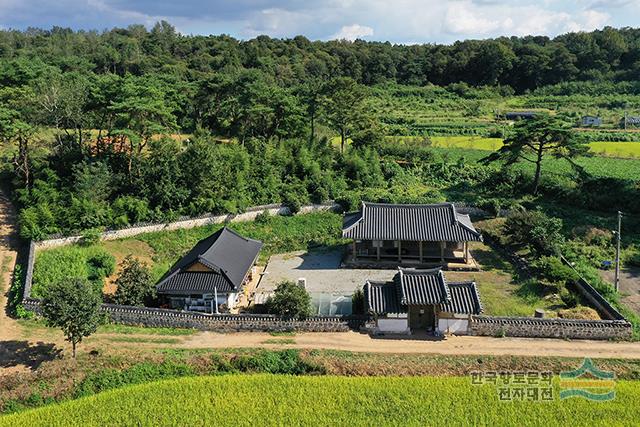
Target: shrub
(357,302)
(100,265)
(290,300)
(134,285)
(554,270)
(535,230)
(90,236)
(137,374)
(263,217)
(570,299)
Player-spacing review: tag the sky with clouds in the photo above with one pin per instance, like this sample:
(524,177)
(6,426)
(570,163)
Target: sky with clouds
(398,21)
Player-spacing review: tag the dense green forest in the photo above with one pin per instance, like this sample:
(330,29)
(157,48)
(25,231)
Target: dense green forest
(131,125)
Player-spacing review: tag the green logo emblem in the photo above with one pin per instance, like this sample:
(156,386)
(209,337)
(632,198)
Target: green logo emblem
(588,382)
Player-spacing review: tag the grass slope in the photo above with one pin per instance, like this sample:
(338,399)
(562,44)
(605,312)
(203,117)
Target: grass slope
(308,400)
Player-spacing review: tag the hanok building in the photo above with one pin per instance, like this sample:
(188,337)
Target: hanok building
(422,301)
(211,274)
(410,235)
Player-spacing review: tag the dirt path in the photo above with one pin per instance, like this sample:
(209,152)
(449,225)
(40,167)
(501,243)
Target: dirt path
(9,329)
(352,341)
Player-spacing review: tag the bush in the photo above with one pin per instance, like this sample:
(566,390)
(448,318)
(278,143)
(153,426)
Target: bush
(357,302)
(100,265)
(290,300)
(134,285)
(554,270)
(263,218)
(90,236)
(137,374)
(535,230)
(570,299)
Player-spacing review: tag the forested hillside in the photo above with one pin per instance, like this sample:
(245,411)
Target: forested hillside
(129,125)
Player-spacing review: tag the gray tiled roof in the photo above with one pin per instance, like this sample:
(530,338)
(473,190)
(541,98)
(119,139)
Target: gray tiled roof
(465,299)
(192,282)
(382,298)
(428,223)
(228,254)
(421,287)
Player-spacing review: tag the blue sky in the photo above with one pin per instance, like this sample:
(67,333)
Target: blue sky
(398,21)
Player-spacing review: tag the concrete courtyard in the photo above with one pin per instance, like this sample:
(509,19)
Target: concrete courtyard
(325,279)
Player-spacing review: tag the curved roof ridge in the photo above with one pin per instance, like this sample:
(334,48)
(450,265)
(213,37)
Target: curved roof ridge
(409,205)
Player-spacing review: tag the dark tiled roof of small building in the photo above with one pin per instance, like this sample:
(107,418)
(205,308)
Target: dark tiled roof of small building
(382,298)
(228,254)
(429,223)
(421,287)
(465,299)
(195,282)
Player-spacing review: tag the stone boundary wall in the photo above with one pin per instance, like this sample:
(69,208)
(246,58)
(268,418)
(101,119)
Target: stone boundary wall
(165,318)
(186,223)
(28,276)
(249,215)
(529,327)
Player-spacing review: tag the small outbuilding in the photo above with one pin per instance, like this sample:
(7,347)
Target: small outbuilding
(409,235)
(211,274)
(520,115)
(589,121)
(422,301)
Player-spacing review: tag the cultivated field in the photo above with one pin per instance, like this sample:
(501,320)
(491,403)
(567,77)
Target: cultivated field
(289,400)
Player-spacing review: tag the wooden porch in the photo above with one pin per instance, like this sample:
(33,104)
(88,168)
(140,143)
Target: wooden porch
(417,254)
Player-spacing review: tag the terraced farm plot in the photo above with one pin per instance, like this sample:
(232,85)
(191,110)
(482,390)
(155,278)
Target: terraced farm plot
(314,401)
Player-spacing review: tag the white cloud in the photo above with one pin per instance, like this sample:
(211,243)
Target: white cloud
(352,32)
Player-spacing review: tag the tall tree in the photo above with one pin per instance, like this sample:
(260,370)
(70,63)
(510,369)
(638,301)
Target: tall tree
(534,139)
(343,105)
(73,305)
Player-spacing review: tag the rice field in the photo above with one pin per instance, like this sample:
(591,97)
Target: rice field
(248,400)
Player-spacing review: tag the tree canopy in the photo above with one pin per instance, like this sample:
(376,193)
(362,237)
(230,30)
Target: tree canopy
(73,305)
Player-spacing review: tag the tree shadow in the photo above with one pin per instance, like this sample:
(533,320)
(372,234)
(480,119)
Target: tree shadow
(16,353)
(490,260)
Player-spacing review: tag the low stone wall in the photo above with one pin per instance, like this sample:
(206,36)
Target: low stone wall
(550,328)
(186,223)
(164,318)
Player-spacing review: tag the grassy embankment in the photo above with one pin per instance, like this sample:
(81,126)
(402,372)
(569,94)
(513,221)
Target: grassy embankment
(303,400)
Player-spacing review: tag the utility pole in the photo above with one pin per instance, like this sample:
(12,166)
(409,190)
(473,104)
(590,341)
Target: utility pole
(617,277)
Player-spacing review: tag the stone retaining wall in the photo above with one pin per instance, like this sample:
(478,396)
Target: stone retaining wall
(550,328)
(164,318)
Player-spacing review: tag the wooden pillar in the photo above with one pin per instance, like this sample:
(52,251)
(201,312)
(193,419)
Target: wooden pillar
(442,252)
(354,251)
(466,252)
(378,249)
(420,246)
(399,250)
